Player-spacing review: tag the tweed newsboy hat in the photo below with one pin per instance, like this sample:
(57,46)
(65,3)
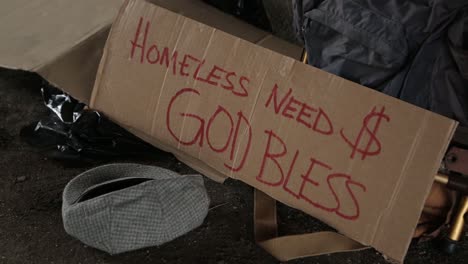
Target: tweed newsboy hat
(122,207)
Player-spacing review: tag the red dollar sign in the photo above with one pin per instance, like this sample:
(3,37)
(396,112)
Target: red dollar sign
(373,140)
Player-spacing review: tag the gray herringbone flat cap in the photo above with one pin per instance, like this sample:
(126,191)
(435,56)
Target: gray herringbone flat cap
(122,207)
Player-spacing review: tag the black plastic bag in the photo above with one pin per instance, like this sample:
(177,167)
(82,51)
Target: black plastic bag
(72,133)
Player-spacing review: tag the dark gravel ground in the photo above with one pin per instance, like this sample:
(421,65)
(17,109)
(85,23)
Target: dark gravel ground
(30,206)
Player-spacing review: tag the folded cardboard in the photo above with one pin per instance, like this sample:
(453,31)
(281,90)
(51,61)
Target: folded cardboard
(190,80)
(361,161)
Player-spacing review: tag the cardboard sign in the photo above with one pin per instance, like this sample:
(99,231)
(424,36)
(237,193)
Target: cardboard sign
(360,161)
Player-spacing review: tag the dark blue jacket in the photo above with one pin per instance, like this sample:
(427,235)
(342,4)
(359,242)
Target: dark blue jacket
(415,50)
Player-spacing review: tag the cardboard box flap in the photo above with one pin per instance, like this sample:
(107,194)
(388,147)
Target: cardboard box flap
(359,160)
(37,32)
(52,37)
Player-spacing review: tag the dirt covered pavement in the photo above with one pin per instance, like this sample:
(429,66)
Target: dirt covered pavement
(30,206)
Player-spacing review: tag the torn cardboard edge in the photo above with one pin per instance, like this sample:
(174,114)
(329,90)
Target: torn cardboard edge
(414,172)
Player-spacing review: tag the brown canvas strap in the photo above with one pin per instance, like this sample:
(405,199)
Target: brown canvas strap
(294,246)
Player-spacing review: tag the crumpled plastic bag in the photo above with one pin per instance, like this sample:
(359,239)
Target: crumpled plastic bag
(71,132)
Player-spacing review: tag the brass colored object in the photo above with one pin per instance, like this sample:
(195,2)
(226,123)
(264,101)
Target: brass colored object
(442,179)
(459,184)
(458,221)
(304,57)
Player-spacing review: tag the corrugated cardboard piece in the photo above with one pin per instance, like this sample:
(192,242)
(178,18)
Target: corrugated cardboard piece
(62,40)
(356,159)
